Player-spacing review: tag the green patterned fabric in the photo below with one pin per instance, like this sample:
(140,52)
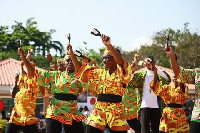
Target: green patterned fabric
(138,81)
(64,83)
(192,76)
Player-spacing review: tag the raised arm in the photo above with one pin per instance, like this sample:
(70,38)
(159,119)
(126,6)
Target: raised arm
(155,79)
(30,69)
(134,64)
(76,63)
(22,68)
(173,61)
(28,56)
(107,42)
(52,65)
(158,88)
(15,86)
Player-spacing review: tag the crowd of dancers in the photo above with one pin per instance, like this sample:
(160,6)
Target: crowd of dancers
(156,107)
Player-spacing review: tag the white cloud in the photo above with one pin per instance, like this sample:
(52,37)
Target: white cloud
(140,41)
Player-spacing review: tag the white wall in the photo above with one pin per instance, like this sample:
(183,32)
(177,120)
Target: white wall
(5,91)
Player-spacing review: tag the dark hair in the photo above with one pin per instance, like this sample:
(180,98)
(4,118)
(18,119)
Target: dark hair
(86,108)
(80,109)
(186,109)
(118,50)
(151,57)
(3,112)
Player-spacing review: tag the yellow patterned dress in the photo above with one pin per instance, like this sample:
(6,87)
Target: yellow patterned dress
(173,120)
(107,113)
(64,111)
(23,113)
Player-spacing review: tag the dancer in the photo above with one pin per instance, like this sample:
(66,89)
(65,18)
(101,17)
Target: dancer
(190,76)
(173,118)
(23,113)
(16,86)
(110,84)
(60,64)
(63,106)
(148,103)
(130,100)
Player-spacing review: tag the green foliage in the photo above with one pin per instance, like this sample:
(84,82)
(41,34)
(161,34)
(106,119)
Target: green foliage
(185,44)
(3,124)
(92,54)
(11,54)
(41,61)
(41,42)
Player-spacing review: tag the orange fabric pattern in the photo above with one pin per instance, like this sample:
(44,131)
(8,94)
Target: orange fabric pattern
(23,112)
(108,113)
(173,119)
(61,83)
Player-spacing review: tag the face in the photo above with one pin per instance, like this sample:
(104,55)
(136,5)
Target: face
(61,66)
(69,64)
(108,61)
(148,64)
(93,62)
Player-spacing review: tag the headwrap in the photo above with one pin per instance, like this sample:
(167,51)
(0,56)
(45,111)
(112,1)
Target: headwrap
(60,61)
(142,63)
(66,56)
(107,52)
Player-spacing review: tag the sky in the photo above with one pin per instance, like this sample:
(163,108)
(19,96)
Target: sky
(129,23)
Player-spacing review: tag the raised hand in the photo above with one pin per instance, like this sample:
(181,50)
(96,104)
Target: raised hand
(30,69)
(49,57)
(53,66)
(169,50)
(30,51)
(20,52)
(106,40)
(136,57)
(134,64)
(69,48)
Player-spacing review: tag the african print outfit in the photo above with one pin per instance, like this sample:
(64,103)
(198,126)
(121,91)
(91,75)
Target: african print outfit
(130,101)
(138,82)
(107,113)
(23,113)
(173,120)
(192,76)
(62,83)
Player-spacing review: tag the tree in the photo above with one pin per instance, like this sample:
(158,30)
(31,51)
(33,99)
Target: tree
(30,36)
(185,43)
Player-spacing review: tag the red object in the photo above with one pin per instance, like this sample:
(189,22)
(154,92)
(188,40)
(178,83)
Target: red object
(1,105)
(92,101)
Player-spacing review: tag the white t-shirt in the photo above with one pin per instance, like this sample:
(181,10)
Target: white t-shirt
(86,113)
(149,99)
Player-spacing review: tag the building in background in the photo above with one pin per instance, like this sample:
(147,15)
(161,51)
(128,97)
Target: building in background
(7,79)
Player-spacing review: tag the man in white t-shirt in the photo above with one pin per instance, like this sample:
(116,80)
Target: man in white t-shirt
(148,102)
